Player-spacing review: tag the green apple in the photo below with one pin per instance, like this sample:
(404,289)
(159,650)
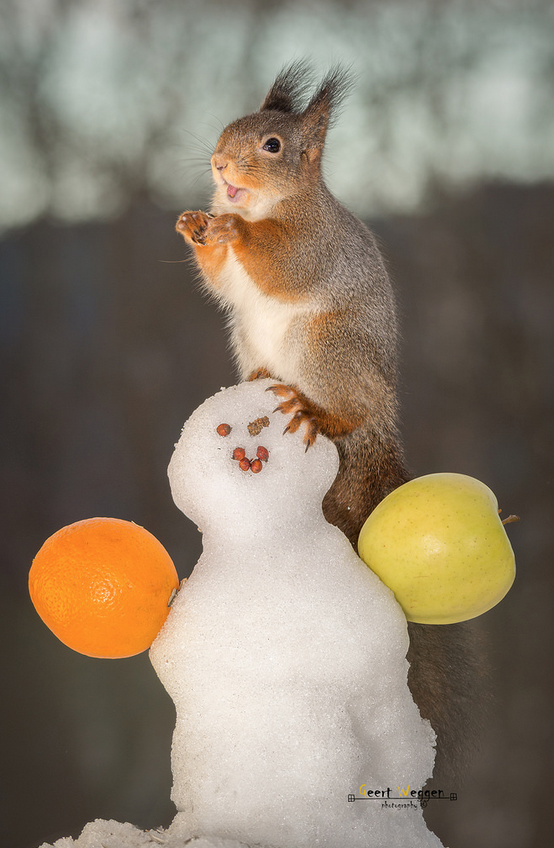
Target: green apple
(439,544)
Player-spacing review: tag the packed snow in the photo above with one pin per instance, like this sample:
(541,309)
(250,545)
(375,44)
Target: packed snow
(284,654)
(112,834)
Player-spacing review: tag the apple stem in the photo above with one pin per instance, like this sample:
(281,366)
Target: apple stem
(510,519)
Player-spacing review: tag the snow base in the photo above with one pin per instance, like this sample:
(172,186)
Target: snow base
(112,834)
(284,654)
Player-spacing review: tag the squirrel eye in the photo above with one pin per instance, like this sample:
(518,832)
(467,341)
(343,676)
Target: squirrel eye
(272,145)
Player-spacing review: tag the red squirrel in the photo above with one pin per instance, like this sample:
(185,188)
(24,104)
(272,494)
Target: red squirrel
(311,306)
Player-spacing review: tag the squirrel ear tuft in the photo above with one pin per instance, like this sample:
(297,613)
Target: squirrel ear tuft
(323,108)
(287,94)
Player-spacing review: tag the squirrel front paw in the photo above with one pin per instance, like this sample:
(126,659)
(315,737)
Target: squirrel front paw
(302,412)
(224,229)
(193,226)
(202,228)
(258,374)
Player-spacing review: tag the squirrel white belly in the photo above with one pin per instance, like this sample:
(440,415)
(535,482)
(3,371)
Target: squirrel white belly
(261,327)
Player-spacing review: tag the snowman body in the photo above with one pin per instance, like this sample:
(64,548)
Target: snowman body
(283,653)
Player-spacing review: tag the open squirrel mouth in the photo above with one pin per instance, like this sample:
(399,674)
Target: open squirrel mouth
(234,193)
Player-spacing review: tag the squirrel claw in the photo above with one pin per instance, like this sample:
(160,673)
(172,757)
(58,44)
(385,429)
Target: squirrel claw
(193,226)
(299,417)
(259,374)
(293,405)
(301,412)
(280,389)
(223,229)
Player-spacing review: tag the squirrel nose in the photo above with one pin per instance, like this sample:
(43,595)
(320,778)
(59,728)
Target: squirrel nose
(218,163)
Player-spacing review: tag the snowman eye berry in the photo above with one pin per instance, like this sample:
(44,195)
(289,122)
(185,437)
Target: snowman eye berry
(223,429)
(239,453)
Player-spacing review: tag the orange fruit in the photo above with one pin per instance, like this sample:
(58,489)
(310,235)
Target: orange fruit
(103,586)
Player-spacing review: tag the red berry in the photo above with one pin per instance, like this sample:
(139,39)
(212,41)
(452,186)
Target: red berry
(244,464)
(256,466)
(262,453)
(223,429)
(239,453)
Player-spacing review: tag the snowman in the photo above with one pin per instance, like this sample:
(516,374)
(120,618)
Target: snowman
(284,654)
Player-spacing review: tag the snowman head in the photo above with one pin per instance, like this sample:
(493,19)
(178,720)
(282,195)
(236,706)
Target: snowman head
(234,466)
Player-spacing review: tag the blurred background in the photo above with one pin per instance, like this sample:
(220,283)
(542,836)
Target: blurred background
(108,114)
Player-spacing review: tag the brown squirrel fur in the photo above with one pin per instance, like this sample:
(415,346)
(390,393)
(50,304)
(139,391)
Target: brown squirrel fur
(311,306)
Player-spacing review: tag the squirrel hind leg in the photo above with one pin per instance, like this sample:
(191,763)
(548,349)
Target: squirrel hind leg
(300,408)
(317,419)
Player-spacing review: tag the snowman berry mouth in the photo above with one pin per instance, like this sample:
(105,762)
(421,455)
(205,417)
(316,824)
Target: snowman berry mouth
(255,464)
